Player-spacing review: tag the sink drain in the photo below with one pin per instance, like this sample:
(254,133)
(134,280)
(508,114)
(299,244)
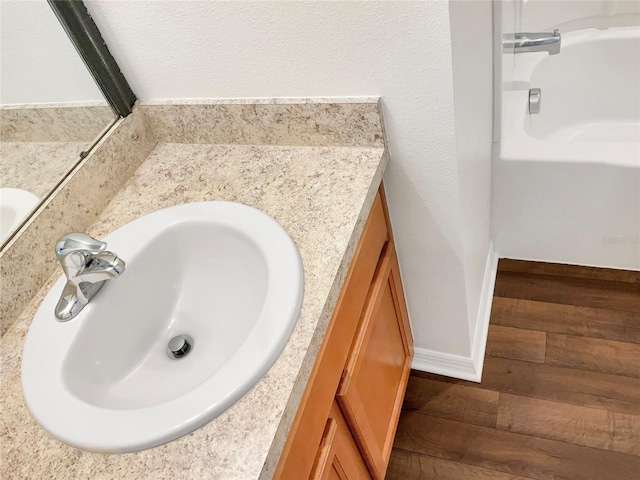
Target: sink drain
(179,346)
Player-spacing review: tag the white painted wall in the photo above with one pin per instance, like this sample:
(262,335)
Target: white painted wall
(39,64)
(472,47)
(400,51)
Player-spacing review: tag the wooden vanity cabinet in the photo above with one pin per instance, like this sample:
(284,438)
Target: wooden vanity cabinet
(349,411)
(338,456)
(376,375)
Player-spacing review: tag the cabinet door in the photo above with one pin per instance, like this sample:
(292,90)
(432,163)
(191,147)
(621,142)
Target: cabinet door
(375,378)
(338,457)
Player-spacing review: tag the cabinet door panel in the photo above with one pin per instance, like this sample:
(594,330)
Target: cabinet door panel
(375,379)
(338,457)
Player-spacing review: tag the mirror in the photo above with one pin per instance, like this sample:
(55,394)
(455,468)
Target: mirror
(51,110)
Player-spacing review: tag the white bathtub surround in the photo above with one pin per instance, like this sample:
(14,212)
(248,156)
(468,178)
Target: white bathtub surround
(566,182)
(539,15)
(590,101)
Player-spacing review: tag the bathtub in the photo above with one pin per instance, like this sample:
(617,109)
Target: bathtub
(566,181)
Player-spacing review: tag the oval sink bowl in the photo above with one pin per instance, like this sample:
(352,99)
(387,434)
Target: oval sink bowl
(224,274)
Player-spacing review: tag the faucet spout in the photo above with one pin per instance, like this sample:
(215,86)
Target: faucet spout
(87,266)
(101,267)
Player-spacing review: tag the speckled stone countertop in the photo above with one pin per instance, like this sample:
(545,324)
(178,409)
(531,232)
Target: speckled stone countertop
(37,166)
(321,196)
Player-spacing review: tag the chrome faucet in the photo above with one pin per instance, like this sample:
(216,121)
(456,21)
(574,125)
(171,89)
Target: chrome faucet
(532,42)
(87,266)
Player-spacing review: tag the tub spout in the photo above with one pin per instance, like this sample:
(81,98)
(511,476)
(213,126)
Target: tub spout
(532,42)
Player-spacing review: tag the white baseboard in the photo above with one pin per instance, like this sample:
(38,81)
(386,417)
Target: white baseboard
(484,311)
(445,364)
(458,366)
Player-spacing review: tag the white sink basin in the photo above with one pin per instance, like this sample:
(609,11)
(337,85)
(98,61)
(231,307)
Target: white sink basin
(225,274)
(15,205)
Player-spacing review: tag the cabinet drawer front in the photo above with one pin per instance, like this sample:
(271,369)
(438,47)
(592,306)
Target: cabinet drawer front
(338,456)
(307,429)
(376,375)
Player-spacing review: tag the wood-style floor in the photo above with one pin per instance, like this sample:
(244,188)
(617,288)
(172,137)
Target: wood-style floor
(560,391)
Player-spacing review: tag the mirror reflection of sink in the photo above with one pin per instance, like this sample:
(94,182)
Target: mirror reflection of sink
(15,205)
(116,378)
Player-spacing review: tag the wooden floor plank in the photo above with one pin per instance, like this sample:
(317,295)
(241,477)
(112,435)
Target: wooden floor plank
(566,319)
(569,291)
(564,270)
(607,356)
(586,426)
(455,402)
(509,452)
(548,382)
(405,465)
(516,343)
(563,361)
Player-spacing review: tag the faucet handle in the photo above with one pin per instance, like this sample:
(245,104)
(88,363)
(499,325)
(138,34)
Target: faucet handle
(75,241)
